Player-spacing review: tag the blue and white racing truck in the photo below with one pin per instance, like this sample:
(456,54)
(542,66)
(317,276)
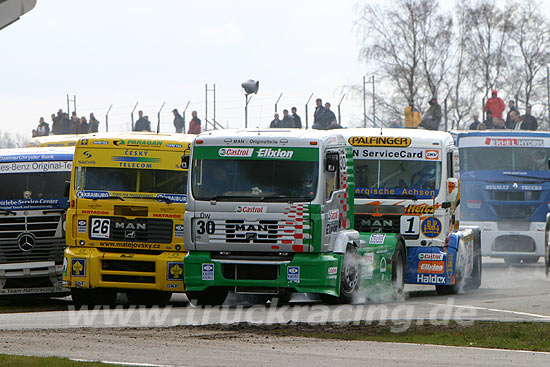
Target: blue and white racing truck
(32,219)
(406,186)
(505,189)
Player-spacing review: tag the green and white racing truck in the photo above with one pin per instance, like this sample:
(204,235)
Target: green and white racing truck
(271,212)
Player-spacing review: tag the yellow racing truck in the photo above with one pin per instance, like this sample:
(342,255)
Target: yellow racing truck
(125,219)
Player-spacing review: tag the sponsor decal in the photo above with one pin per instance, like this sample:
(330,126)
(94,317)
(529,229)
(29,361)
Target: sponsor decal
(36,157)
(118,158)
(432,154)
(514,142)
(368,269)
(99,142)
(35,167)
(172,286)
(421,209)
(293,274)
(235,152)
(379,141)
(332,272)
(33,204)
(179,231)
(473,204)
(166,215)
(430,279)
(78,267)
(84,142)
(155,143)
(79,284)
(391,154)
(430,256)
(449,265)
(95,212)
(175,198)
(250,209)
(174,146)
(89,194)
(431,227)
(377,239)
(437,267)
(531,187)
(497,187)
(383,264)
(174,271)
(131,245)
(207,271)
(65,266)
(82,226)
(385,192)
(274,153)
(333,214)
(87,154)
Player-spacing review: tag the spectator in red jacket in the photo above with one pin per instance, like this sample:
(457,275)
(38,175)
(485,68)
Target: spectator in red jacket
(194,124)
(495,104)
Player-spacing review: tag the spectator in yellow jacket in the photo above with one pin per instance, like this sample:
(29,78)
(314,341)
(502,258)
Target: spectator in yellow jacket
(412,116)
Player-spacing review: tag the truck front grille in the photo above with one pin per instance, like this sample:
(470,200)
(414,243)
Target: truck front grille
(250,272)
(383,224)
(41,251)
(43,226)
(257,232)
(147,230)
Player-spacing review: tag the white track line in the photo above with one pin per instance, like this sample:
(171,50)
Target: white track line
(123,363)
(476,348)
(488,309)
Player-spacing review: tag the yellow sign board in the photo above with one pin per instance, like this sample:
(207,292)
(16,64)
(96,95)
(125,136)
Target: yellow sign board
(379,141)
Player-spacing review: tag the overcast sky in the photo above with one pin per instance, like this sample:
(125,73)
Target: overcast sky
(121,52)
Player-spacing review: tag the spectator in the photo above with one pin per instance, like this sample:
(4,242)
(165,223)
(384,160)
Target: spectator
(395,125)
(432,117)
(276,123)
(475,123)
(179,121)
(75,124)
(529,121)
(511,108)
(495,105)
(66,124)
(319,120)
(287,121)
(499,124)
(489,120)
(516,118)
(332,122)
(93,124)
(56,124)
(84,127)
(297,119)
(481,126)
(142,124)
(43,128)
(194,124)
(412,116)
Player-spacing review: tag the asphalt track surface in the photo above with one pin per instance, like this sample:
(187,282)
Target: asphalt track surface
(161,336)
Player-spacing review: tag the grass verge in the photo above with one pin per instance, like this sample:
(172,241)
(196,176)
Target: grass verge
(503,335)
(7,360)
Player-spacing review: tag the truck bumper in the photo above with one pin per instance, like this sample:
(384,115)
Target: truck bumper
(497,242)
(43,277)
(92,268)
(304,273)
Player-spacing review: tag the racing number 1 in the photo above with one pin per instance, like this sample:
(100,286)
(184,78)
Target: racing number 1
(206,227)
(410,225)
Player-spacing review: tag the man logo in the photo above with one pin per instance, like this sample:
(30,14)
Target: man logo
(26,242)
(130,234)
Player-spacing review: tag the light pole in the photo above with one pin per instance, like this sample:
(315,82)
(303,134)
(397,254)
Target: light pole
(249,87)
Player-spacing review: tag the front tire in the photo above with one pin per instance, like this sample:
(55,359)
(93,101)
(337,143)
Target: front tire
(399,263)
(350,276)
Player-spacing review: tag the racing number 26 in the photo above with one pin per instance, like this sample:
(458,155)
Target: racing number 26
(206,227)
(100,227)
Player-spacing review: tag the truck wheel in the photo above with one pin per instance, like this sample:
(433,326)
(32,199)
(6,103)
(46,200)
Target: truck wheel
(212,296)
(148,298)
(474,281)
(512,260)
(398,270)
(350,277)
(454,288)
(93,297)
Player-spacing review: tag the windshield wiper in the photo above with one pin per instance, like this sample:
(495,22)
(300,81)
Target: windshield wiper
(285,197)
(159,198)
(107,198)
(412,197)
(232,197)
(7,212)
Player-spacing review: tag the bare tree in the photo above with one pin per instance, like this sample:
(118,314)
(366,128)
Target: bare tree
(9,140)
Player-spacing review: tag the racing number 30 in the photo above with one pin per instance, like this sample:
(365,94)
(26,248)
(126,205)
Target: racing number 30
(206,227)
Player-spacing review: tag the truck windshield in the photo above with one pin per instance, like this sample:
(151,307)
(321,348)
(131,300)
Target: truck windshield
(254,180)
(501,158)
(405,176)
(131,180)
(33,185)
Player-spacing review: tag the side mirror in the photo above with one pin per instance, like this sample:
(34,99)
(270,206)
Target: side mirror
(67,188)
(331,162)
(452,189)
(185,161)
